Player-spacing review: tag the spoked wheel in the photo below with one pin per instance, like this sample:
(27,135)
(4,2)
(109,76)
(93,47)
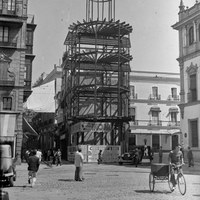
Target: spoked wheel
(151,182)
(181,183)
(170,183)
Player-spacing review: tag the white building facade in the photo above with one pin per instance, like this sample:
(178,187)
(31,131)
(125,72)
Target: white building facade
(154,99)
(189,62)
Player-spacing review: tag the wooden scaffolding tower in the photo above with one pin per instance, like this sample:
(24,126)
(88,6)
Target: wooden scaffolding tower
(96,68)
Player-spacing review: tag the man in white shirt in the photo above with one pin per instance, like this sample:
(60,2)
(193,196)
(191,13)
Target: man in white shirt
(78,162)
(39,154)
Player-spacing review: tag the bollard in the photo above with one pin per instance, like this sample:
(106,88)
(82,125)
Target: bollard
(4,195)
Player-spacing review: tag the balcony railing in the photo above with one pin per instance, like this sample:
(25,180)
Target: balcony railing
(173,98)
(154,97)
(134,96)
(154,123)
(11,43)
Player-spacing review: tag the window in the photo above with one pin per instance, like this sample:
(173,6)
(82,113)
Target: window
(11,5)
(132,92)
(29,37)
(199,32)
(155,91)
(154,114)
(1,4)
(27,70)
(194,133)
(155,142)
(155,118)
(3,34)
(132,113)
(173,116)
(193,88)
(132,140)
(191,35)
(174,93)
(7,103)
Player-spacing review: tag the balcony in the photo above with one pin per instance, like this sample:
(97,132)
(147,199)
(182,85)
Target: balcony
(10,44)
(151,123)
(134,96)
(173,98)
(154,97)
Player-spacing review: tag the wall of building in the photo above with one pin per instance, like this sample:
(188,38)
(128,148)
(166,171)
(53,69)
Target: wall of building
(141,126)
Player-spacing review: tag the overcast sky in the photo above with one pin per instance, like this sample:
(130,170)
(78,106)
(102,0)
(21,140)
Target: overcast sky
(154,42)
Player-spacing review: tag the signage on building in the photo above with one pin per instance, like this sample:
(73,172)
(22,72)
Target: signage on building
(90,126)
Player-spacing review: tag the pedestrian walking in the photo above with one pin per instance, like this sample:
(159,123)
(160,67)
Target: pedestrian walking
(58,157)
(136,157)
(54,157)
(78,162)
(160,154)
(27,153)
(33,166)
(190,157)
(99,157)
(49,155)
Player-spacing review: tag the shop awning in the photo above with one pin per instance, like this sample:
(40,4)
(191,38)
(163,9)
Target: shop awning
(174,109)
(155,108)
(152,132)
(28,129)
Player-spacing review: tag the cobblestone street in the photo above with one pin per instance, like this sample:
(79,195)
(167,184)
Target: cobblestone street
(101,182)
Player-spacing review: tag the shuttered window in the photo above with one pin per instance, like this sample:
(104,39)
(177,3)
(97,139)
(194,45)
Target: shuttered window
(194,133)
(11,5)
(193,87)
(7,103)
(4,36)
(191,35)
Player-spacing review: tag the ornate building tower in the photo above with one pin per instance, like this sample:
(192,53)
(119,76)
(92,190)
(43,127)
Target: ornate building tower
(96,67)
(16,56)
(189,62)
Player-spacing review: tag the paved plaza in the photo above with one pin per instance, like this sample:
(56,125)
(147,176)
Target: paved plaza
(102,182)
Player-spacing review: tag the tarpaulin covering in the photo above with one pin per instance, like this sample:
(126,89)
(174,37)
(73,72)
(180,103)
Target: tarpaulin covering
(42,98)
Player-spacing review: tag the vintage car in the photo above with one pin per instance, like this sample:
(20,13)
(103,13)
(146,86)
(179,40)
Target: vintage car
(130,157)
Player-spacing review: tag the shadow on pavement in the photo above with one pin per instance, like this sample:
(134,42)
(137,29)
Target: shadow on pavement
(66,180)
(155,192)
(196,195)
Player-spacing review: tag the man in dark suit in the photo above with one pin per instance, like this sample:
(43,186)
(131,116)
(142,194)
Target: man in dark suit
(33,166)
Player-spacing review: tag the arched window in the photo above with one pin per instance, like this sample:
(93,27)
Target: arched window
(191,35)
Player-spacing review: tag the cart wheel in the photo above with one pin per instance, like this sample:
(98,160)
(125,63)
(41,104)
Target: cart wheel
(181,183)
(170,183)
(151,182)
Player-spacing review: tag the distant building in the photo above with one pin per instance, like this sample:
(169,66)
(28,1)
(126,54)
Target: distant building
(42,102)
(154,97)
(189,62)
(16,56)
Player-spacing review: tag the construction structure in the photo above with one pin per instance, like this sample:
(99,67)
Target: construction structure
(95,88)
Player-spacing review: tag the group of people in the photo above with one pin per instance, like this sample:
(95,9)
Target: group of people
(190,157)
(33,159)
